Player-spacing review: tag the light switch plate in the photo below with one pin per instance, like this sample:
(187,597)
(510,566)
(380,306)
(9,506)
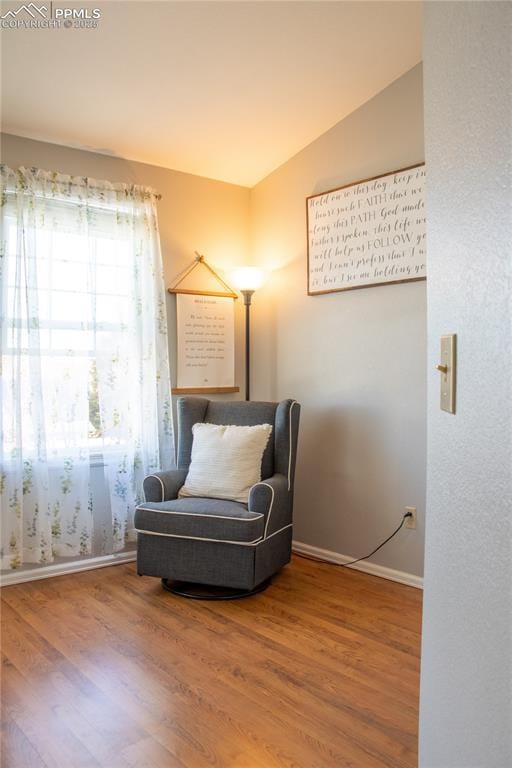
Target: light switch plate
(448,377)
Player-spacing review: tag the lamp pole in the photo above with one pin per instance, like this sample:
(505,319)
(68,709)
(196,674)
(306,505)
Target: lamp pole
(247,301)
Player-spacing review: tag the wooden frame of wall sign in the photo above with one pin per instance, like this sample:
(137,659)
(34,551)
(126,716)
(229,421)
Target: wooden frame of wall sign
(205,339)
(370,232)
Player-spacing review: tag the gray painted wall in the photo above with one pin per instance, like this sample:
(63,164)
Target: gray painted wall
(466,686)
(355,360)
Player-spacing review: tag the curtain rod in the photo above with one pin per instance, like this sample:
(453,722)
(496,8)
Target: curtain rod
(98,186)
(13,191)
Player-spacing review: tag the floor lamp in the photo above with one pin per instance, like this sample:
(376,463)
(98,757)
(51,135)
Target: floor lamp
(248,280)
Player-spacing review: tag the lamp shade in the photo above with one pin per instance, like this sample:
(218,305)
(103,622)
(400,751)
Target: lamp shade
(248,278)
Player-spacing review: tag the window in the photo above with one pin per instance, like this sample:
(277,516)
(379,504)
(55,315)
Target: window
(80,294)
(85,369)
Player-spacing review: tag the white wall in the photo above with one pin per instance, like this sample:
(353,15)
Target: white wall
(466,686)
(355,360)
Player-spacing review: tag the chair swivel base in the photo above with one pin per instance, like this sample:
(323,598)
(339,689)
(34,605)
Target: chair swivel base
(208,592)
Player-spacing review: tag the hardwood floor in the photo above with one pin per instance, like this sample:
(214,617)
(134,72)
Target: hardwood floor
(104,668)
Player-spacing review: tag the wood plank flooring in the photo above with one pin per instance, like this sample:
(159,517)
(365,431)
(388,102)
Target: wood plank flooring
(105,669)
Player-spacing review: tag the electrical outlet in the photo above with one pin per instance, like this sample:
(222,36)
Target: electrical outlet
(410,522)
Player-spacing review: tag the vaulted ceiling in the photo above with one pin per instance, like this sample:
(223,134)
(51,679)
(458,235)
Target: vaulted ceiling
(228,90)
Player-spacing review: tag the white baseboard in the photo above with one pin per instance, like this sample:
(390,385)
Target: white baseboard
(61,569)
(372,568)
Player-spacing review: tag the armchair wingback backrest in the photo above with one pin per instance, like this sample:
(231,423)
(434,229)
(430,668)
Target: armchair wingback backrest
(281,450)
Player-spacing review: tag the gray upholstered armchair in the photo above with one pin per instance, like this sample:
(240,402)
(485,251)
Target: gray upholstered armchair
(213,541)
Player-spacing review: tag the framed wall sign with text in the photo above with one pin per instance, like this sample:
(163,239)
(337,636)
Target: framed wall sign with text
(370,232)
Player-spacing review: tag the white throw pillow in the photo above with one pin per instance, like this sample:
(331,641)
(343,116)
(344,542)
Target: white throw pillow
(226,460)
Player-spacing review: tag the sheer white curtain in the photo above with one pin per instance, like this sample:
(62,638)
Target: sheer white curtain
(85,370)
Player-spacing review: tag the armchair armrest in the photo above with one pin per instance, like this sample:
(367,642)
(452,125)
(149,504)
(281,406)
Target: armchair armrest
(272,498)
(163,486)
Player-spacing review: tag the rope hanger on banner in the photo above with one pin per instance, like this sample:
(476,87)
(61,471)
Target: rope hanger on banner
(201,261)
